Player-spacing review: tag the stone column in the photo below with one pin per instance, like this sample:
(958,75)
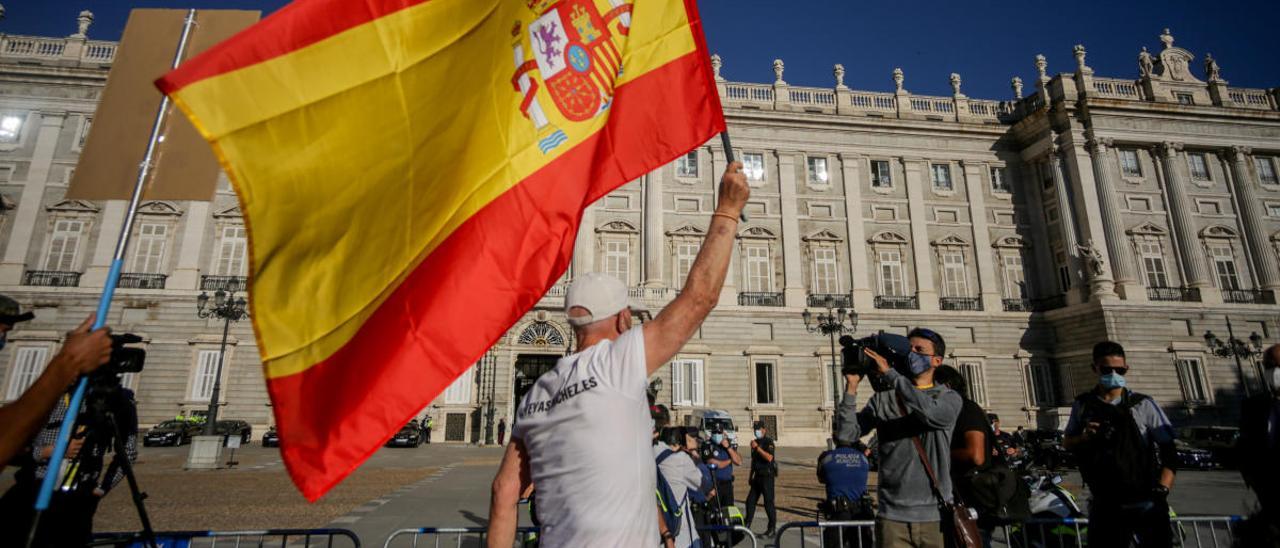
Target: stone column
(1066,223)
(793,287)
(191,248)
(1045,282)
(108,229)
(922,257)
(863,297)
(24,219)
(1194,263)
(1123,265)
(729,293)
(989,291)
(653,228)
(1255,224)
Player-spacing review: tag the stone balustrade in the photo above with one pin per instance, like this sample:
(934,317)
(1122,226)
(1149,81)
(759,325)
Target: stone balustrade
(1116,88)
(1257,99)
(39,48)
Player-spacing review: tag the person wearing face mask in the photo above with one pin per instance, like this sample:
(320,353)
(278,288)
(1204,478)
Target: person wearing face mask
(1123,443)
(907,406)
(764,470)
(722,460)
(1259,445)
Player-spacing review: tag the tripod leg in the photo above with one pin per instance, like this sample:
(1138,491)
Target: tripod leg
(122,459)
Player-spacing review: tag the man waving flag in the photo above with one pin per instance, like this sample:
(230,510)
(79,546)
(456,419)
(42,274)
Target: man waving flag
(412,174)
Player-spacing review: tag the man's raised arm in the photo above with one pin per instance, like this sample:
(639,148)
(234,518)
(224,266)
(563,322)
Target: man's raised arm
(667,333)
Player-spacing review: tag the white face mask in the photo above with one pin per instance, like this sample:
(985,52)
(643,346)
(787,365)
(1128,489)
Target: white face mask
(1273,379)
(759,434)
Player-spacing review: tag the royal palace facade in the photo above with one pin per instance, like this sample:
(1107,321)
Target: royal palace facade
(1142,209)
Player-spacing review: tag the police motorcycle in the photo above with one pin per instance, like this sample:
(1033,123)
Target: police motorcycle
(1050,502)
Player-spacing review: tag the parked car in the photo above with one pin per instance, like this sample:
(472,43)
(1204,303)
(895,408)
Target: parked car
(171,432)
(408,436)
(1219,440)
(270,438)
(234,427)
(710,421)
(1191,457)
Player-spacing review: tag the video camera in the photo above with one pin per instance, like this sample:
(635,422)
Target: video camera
(894,348)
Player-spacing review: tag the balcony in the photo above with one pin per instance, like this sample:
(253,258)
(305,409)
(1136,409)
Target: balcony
(898,302)
(1248,296)
(1174,294)
(1018,305)
(760,299)
(223,283)
(134,280)
(51,278)
(837,300)
(960,303)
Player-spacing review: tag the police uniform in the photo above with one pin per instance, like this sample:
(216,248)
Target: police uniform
(723,476)
(843,471)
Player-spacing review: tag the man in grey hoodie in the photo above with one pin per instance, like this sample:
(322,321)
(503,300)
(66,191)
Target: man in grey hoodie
(908,514)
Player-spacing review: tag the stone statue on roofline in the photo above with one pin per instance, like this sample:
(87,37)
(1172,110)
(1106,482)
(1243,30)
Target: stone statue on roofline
(1145,65)
(1211,69)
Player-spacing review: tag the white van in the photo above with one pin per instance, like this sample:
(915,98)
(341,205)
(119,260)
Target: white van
(710,421)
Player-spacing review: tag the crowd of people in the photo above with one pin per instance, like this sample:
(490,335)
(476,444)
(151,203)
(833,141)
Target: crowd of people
(583,441)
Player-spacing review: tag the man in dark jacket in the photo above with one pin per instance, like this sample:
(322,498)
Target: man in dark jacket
(1124,445)
(1259,447)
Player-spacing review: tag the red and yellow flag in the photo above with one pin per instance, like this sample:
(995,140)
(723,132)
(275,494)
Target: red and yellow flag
(412,174)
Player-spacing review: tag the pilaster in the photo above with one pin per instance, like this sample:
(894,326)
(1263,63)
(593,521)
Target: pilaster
(584,257)
(108,229)
(1088,214)
(922,261)
(728,293)
(653,227)
(863,296)
(989,290)
(24,219)
(1067,224)
(792,266)
(191,249)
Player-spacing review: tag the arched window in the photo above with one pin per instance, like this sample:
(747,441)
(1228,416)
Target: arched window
(541,335)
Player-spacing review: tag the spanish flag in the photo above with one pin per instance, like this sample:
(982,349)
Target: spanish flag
(412,174)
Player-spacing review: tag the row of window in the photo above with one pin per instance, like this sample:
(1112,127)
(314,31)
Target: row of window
(1198,166)
(758,268)
(818,172)
(150,244)
(11,129)
(1152,254)
(29,363)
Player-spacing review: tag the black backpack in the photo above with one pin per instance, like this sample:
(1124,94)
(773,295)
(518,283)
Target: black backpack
(1117,463)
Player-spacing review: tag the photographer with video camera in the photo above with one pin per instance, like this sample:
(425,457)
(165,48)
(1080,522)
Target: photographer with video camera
(82,352)
(106,423)
(1124,445)
(913,419)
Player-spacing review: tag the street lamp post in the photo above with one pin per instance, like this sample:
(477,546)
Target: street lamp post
(1235,348)
(832,324)
(230,309)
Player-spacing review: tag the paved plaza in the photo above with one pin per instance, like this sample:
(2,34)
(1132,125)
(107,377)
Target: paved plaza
(448,485)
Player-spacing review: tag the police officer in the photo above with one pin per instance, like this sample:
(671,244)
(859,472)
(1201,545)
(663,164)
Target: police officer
(843,471)
(722,460)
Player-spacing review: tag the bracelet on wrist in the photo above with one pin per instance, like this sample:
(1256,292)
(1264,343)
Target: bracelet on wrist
(725,215)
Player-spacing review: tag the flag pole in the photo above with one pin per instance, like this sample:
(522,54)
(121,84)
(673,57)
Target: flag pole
(728,154)
(109,288)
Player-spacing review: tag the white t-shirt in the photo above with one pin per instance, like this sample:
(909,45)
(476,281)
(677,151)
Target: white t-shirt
(586,430)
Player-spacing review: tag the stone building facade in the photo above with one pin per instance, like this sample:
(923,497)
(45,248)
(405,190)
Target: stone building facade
(1145,210)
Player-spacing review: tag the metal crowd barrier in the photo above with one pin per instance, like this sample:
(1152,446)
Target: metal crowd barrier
(284,538)
(1189,532)
(526,537)
(829,534)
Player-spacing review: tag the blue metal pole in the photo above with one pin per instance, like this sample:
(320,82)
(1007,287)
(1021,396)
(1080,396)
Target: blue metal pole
(108,291)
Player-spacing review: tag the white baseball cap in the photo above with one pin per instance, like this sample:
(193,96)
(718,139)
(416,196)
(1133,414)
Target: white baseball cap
(600,294)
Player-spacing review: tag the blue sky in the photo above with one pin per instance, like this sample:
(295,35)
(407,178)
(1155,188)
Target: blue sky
(987,42)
